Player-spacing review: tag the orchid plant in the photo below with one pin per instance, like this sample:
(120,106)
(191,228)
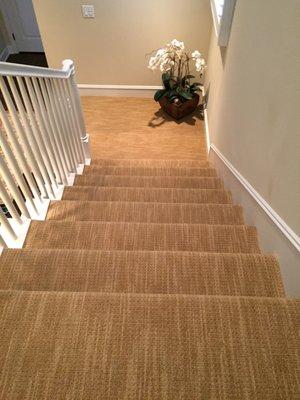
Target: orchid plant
(174,61)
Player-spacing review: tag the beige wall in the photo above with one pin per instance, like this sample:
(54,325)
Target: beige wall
(254,101)
(111,48)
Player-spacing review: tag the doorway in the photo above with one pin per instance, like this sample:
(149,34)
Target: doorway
(22,28)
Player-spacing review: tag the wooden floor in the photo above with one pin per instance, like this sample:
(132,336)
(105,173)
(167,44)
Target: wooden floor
(137,128)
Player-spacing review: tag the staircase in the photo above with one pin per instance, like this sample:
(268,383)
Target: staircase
(143,283)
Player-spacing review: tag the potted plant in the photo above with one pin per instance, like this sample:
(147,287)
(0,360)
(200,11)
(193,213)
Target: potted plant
(178,97)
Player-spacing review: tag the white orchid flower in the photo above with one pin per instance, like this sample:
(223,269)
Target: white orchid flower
(200,64)
(160,52)
(196,54)
(177,44)
(166,65)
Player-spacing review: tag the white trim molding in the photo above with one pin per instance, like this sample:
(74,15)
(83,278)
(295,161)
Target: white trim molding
(4,54)
(207,136)
(275,236)
(222,23)
(117,90)
(272,214)
(277,220)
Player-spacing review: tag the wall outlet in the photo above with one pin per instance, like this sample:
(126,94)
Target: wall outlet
(88,11)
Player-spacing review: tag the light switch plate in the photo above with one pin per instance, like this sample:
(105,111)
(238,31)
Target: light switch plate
(88,11)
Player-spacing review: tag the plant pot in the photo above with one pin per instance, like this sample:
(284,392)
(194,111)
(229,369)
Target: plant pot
(178,111)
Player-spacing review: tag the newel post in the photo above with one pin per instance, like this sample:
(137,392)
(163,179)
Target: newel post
(69,68)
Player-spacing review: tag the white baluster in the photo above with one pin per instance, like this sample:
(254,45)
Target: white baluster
(72,128)
(47,124)
(62,116)
(23,138)
(75,126)
(6,227)
(70,134)
(20,156)
(9,204)
(42,126)
(81,137)
(69,65)
(37,154)
(55,132)
(12,187)
(59,122)
(51,182)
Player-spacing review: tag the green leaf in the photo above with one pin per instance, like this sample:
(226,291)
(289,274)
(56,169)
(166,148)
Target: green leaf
(166,80)
(159,94)
(186,95)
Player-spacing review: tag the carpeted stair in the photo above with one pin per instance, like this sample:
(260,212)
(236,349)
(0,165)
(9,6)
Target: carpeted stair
(145,283)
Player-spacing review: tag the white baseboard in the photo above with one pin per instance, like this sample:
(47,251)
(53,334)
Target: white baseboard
(277,220)
(4,54)
(275,235)
(117,90)
(207,136)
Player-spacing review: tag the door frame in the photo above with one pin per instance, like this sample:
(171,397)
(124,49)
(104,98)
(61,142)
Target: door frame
(12,46)
(11,30)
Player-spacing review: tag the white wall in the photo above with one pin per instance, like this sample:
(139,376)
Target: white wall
(253,108)
(111,49)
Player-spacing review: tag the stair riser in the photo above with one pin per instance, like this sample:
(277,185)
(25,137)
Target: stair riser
(148,163)
(140,181)
(141,272)
(104,346)
(131,236)
(135,171)
(92,193)
(145,212)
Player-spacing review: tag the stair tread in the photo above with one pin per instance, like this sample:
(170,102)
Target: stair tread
(149,171)
(142,236)
(96,345)
(141,272)
(121,162)
(149,181)
(78,210)
(176,195)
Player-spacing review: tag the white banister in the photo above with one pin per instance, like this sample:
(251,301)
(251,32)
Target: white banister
(10,69)
(43,143)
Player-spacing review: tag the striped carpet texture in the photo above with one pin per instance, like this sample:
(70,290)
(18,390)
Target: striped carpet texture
(147,346)
(160,195)
(222,214)
(141,272)
(142,236)
(150,171)
(94,179)
(145,283)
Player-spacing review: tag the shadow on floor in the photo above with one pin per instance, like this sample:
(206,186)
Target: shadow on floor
(160,117)
(37,59)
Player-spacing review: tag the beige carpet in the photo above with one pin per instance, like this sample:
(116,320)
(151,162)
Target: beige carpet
(144,282)
(141,272)
(119,346)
